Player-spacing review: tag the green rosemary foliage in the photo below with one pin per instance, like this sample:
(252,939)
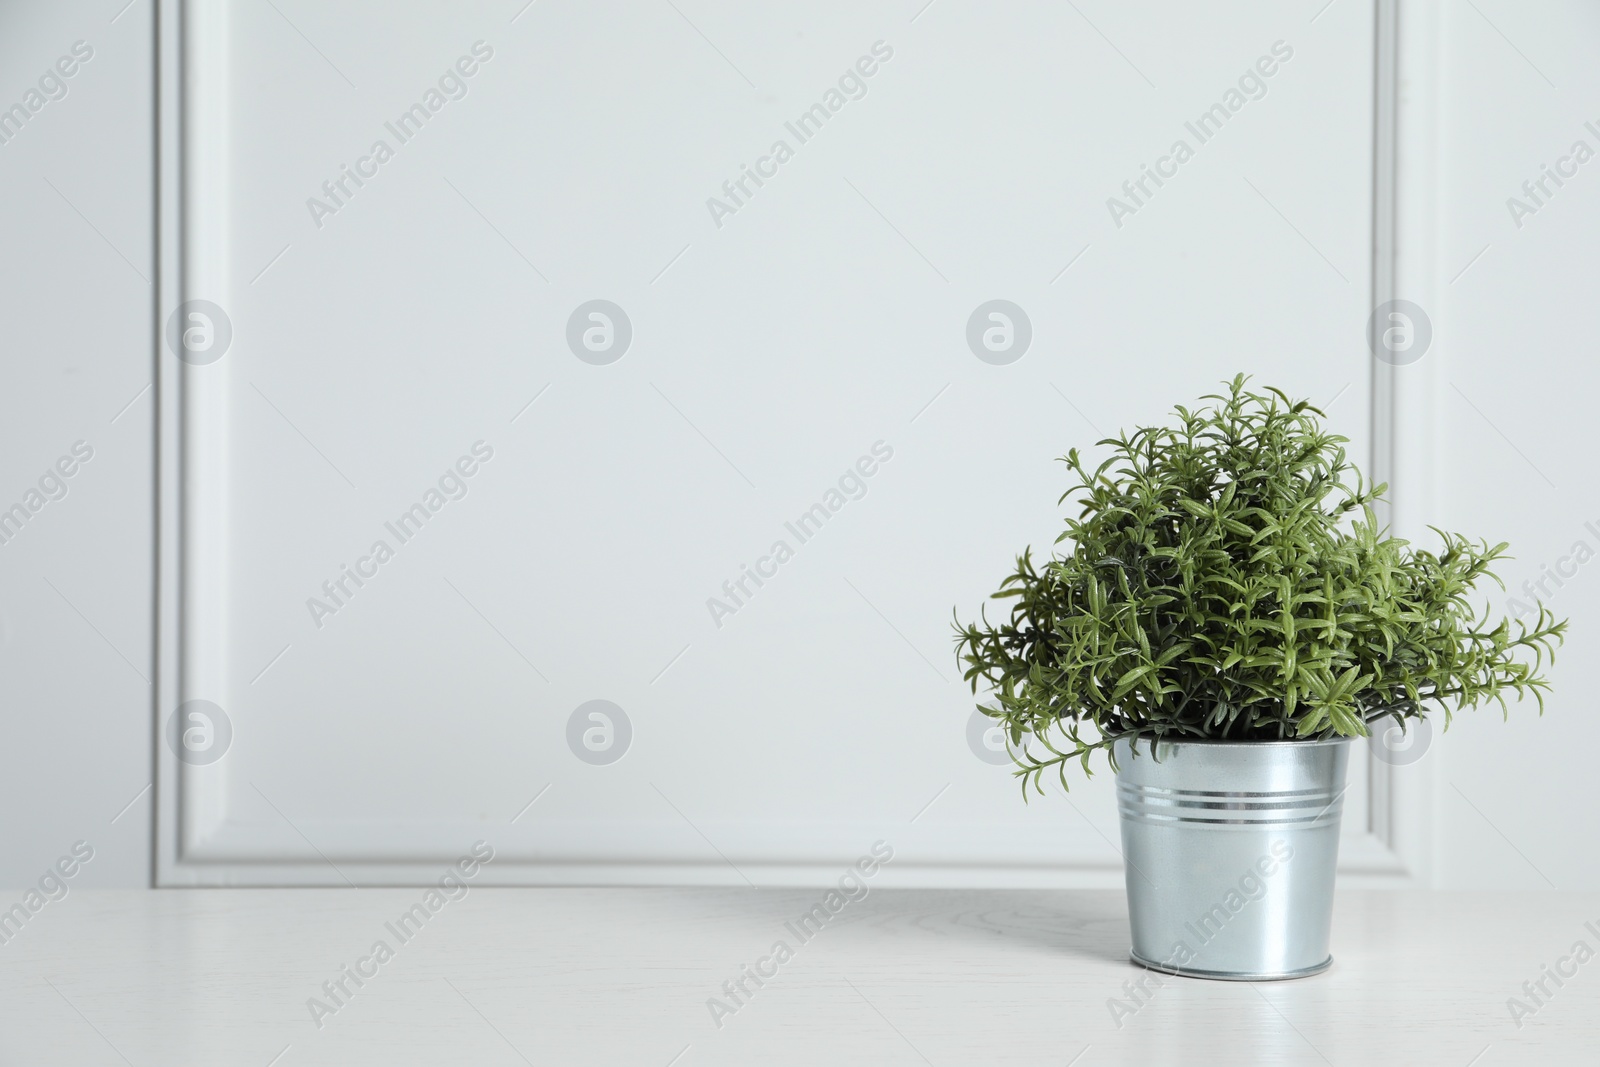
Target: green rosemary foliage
(1211,587)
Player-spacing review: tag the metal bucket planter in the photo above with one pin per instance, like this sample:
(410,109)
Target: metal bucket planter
(1229,850)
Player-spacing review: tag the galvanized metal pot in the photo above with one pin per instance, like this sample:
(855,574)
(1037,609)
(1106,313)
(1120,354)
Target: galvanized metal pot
(1229,850)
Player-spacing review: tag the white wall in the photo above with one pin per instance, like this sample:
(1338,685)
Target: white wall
(427,312)
(75,317)
(1513,386)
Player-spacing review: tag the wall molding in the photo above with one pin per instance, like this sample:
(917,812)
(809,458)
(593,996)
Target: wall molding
(198,841)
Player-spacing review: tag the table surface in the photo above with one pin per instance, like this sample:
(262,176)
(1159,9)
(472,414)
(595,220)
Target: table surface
(626,976)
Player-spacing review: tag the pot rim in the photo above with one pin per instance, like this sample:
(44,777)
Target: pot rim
(1134,739)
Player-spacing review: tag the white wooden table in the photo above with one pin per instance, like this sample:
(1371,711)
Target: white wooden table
(613,976)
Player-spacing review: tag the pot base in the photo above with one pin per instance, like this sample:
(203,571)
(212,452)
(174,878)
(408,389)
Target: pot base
(1231,976)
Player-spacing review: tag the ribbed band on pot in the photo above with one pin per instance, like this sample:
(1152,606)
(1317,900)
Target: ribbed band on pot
(1296,807)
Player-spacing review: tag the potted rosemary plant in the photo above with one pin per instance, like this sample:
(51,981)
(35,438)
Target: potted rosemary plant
(1223,616)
